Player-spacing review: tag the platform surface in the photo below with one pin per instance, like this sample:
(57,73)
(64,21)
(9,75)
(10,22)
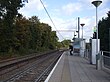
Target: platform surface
(76,69)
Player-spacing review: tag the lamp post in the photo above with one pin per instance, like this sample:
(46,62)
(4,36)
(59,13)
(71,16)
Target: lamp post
(82,42)
(82,29)
(96,4)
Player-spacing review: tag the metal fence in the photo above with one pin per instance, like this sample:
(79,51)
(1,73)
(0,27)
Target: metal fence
(87,54)
(106,59)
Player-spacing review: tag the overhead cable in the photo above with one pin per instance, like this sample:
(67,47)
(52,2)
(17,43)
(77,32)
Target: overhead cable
(51,19)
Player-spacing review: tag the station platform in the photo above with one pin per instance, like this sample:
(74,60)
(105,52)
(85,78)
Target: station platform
(76,69)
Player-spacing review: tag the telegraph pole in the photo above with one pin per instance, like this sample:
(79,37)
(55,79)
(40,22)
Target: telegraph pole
(78,27)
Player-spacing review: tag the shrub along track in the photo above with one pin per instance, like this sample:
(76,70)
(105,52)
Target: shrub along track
(33,69)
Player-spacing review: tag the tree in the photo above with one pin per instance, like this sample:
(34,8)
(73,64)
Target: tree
(53,40)
(35,32)
(104,26)
(8,11)
(66,43)
(21,33)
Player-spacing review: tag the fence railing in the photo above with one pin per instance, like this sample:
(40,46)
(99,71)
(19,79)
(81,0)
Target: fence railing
(87,53)
(106,59)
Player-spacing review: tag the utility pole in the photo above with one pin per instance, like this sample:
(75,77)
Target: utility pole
(78,27)
(74,34)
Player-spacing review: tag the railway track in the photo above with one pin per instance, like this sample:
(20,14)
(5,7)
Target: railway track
(30,70)
(18,59)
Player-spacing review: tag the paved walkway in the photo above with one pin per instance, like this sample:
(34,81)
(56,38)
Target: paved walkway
(76,69)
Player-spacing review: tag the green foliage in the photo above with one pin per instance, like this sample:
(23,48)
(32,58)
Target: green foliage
(66,43)
(21,35)
(63,44)
(8,11)
(104,31)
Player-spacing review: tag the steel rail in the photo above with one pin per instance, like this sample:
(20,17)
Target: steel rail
(45,72)
(23,72)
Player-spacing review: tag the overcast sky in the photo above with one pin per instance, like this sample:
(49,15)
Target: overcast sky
(64,14)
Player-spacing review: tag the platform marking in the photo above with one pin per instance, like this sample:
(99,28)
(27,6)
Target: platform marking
(47,79)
